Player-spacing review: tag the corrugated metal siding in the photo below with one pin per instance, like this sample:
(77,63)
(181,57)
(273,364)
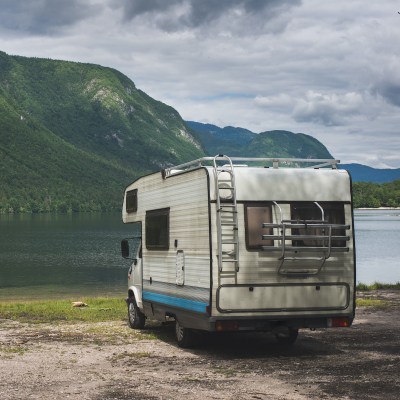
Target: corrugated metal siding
(187,197)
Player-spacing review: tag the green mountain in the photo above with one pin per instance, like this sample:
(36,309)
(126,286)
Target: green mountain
(242,142)
(73,135)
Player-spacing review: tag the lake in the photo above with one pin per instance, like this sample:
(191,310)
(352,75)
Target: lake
(67,256)
(48,255)
(377,245)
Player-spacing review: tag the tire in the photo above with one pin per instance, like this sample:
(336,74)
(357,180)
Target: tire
(185,337)
(136,318)
(288,336)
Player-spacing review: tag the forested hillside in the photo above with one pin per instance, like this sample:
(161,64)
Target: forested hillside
(373,195)
(72,135)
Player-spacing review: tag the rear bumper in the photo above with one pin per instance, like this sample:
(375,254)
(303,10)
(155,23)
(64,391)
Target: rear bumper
(263,324)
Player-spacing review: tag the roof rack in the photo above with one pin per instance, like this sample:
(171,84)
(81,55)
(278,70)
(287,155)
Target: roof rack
(276,163)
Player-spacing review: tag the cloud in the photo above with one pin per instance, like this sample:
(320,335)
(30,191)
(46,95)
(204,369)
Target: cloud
(281,100)
(390,91)
(41,17)
(327,109)
(231,15)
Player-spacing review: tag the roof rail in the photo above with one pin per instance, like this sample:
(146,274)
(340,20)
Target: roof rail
(276,163)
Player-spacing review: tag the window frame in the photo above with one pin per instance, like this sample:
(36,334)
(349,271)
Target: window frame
(163,240)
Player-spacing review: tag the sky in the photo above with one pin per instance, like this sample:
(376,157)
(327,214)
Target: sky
(327,69)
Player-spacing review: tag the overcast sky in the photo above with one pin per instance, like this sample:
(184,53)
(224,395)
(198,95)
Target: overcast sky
(328,69)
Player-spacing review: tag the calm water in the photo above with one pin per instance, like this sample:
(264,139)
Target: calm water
(378,245)
(62,255)
(79,255)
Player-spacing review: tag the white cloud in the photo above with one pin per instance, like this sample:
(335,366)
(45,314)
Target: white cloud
(282,100)
(328,109)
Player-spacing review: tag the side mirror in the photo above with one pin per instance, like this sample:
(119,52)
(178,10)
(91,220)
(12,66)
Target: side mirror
(125,248)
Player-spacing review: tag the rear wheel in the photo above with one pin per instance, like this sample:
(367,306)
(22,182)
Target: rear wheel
(185,337)
(287,336)
(136,318)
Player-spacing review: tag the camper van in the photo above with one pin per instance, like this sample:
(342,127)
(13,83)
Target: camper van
(241,244)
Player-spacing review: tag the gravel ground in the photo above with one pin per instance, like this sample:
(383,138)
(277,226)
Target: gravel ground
(105,361)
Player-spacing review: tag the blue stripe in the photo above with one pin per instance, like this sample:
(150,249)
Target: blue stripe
(192,305)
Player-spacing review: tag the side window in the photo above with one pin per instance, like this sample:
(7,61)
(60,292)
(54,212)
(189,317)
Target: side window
(131,201)
(334,214)
(157,229)
(255,215)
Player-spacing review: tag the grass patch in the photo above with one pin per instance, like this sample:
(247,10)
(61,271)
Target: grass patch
(100,309)
(11,350)
(227,372)
(374,303)
(378,285)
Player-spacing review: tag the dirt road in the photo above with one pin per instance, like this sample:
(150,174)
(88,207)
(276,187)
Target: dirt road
(109,361)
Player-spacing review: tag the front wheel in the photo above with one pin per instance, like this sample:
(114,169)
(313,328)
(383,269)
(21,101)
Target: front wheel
(136,318)
(288,336)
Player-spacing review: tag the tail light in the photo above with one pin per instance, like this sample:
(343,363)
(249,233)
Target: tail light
(221,326)
(339,322)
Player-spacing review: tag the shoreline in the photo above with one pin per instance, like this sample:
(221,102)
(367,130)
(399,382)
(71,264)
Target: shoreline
(378,208)
(52,296)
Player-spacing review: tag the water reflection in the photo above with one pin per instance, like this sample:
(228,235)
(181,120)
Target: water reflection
(74,255)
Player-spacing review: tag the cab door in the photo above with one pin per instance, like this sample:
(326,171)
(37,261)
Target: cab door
(135,275)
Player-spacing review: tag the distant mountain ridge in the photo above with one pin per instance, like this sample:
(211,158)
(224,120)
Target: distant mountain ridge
(242,142)
(235,141)
(363,173)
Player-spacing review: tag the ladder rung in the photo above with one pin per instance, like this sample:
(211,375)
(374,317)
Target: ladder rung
(229,242)
(228,260)
(228,274)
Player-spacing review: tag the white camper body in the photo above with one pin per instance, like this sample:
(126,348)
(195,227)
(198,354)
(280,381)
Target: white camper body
(225,246)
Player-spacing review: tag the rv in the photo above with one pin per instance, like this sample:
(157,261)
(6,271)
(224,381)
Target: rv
(241,244)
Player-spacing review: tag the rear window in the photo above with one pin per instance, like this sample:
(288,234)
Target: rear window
(333,214)
(255,215)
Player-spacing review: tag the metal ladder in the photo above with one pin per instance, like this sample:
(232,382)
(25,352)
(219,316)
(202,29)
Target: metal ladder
(227,218)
